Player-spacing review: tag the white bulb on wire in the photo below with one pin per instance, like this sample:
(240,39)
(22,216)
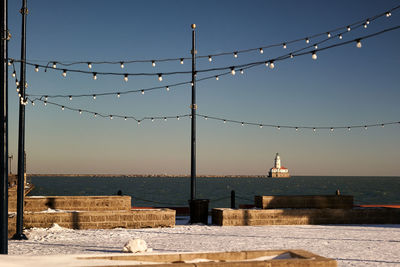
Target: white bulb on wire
(242,123)
(235,54)
(37,68)
(367,21)
(359,45)
(54,65)
(217,77)
(165,118)
(16,82)
(388,14)
(316,46)
(271,65)
(383,125)
(205,117)
(125,118)
(33,103)
(241,71)
(45,97)
(122,65)
(153,63)
(177,117)
(307,40)
(181,61)
(297,128)
(167,88)
(126,77)
(94,97)
(152,119)
(111,117)
(348,28)
(89,65)
(45,103)
(118,95)
(80,111)
(160,77)
(142,92)
(210,58)
(261,126)
(340,37)
(314,55)
(365,25)
(314,129)
(328,34)
(365,127)
(266,63)
(70,97)
(62,108)
(261,51)
(233,72)
(284,46)
(95,115)
(94,76)
(64,74)
(279,127)
(138,122)
(10,62)
(291,55)
(348,128)
(224,121)
(14,74)
(331,129)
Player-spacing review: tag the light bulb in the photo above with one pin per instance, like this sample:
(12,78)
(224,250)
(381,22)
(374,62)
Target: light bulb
(118,95)
(125,118)
(291,55)
(224,121)
(54,65)
(266,63)
(314,55)
(331,129)
(18,92)
(210,58)
(45,103)
(94,76)
(235,54)
(348,128)
(160,77)
(328,34)
(348,28)
(205,117)
(45,97)
(16,82)
(261,51)
(284,46)
(62,108)
(242,123)
(307,40)
(89,65)
(33,103)
(181,60)
(279,127)
(340,37)
(241,71)
(70,97)
(14,74)
(152,119)
(316,46)
(359,45)
(383,125)
(271,65)
(138,122)
(314,129)
(95,115)
(367,22)
(388,14)
(153,63)
(233,72)
(142,92)
(365,25)
(122,65)
(261,126)
(217,78)
(80,111)
(10,62)
(297,128)
(111,117)
(37,68)
(64,74)
(167,88)
(192,83)
(165,119)
(126,77)
(177,117)
(94,97)
(365,127)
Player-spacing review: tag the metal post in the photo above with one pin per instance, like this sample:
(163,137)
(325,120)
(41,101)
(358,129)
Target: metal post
(4,130)
(10,166)
(19,235)
(193,107)
(233,199)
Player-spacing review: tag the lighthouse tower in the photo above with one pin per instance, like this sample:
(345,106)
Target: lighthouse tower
(278,171)
(277,161)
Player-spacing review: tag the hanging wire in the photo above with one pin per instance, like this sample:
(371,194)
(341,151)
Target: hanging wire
(284,44)
(269,62)
(225,120)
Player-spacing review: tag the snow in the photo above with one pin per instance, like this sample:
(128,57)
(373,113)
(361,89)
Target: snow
(350,245)
(135,245)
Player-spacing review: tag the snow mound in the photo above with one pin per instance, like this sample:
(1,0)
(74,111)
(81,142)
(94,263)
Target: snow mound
(136,245)
(55,228)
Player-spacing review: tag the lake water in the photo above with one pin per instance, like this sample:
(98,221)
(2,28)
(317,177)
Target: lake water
(161,191)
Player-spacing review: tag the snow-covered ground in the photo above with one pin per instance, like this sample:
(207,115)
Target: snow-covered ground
(350,245)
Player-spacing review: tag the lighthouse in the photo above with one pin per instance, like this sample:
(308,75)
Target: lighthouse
(278,171)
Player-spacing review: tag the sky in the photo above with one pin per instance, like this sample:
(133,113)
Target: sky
(345,86)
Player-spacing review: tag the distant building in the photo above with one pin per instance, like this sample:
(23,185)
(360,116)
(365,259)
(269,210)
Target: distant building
(278,171)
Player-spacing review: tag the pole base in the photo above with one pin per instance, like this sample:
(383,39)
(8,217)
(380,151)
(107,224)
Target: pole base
(19,237)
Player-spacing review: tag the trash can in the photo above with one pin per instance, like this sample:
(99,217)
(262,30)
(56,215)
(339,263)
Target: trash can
(199,211)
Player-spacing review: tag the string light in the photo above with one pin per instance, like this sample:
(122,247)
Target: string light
(80,111)
(314,55)
(37,68)
(266,63)
(348,28)
(95,115)
(126,77)
(316,46)
(328,34)
(359,45)
(14,74)
(89,65)
(388,14)
(125,118)
(307,40)
(118,95)
(94,97)
(45,103)
(165,119)
(233,72)
(217,77)
(284,46)
(340,36)
(261,126)
(241,71)
(209,58)
(331,129)
(365,25)
(64,74)
(235,54)
(94,76)
(261,51)
(111,117)
(62,108)
(367,21)
(349,128)
(10,62)
(167,88)
(271,64)
(160,77)
(122,65)
(177,117)
(142,92)
(181,61)
(70,97)
(291,55)
(153,63)
(54,65)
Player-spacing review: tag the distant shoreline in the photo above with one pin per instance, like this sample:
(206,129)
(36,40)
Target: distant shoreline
(146,175)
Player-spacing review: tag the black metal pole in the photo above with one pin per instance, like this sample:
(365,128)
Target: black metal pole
(4,131)
(233,199)
(19,235)
(193,107)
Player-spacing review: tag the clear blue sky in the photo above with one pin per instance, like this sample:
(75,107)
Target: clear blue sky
(344,86)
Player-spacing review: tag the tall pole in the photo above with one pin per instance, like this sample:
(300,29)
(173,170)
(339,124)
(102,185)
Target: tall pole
(19,235)
(10,166)
(193,107)
(4,131)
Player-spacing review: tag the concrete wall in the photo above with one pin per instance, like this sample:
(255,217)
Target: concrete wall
(304,202)
(76,203)
(231,217)
(97,220)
